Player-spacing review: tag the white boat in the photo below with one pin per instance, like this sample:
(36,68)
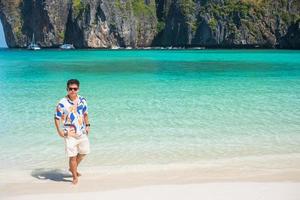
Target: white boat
(115,47)
(67,46)
(33,45)
(200,48)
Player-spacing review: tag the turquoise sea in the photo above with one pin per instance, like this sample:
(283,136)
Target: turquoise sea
(152,107)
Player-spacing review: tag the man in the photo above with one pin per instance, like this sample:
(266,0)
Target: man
(73,113)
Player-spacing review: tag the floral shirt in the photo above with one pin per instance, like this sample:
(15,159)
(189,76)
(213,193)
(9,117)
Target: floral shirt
(72,115)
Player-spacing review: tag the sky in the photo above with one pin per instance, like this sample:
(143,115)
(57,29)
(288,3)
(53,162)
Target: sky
(2,38)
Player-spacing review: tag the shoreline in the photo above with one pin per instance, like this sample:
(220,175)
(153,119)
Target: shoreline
(199,48)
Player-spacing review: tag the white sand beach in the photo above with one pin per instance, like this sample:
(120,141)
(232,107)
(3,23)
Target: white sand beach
(205,191)
(157,182)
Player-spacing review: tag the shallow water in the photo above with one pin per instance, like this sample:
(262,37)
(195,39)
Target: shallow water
(153,106)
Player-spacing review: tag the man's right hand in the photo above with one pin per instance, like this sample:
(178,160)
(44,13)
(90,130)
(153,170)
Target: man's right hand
(71,133)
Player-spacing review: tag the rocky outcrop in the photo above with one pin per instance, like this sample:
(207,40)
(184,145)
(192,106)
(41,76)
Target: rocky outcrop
(111,23)
(292,38)
(143,23)
(85,23)
(227,23)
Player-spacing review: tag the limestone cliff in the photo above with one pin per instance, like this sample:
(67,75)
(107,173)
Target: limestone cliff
(143,23)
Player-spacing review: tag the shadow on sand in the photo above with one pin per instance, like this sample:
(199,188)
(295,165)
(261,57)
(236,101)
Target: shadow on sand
(51,174)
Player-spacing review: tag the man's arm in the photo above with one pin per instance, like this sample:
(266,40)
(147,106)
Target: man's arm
(86,121)
(86,118)
(57,123)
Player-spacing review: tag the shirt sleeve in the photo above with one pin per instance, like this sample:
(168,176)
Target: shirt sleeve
(85,107)
(59,111)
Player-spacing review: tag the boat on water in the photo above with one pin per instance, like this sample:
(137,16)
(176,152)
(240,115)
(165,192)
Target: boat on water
(199,48)
(67,46)
(33,45)
(115,47)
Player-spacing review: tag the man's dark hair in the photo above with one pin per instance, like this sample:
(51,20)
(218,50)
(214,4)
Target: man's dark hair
(73,81)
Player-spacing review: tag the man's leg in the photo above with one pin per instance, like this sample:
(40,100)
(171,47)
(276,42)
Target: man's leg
(79,158)
(83,149)
(73,168)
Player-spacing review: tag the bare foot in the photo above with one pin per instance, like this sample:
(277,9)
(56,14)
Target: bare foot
(75,181)
(78,174)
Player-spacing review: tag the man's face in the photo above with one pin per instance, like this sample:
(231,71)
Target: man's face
(73,89)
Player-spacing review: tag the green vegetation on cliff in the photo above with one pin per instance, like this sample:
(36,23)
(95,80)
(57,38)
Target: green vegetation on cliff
(160,26)
(78,7)
(140,8)
(188,7)
(61,35)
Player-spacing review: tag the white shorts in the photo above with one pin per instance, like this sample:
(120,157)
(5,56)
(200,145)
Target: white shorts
(76,146)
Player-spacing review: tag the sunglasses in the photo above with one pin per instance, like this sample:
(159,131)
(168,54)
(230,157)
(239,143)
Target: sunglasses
(75,89)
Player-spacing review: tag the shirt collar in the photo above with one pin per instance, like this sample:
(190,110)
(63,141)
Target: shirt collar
(70,101)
